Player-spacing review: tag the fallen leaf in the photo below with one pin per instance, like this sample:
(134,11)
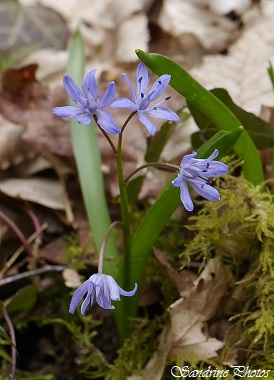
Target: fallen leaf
(243,71)
(34,26)
(184,337)
(43,191)
(180,17)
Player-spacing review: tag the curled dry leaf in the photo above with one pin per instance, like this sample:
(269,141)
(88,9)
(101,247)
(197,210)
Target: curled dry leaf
(184,338)
(243,72)
(179,17)
(71,278)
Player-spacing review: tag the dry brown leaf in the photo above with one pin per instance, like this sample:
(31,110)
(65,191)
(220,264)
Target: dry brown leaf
(184,337)
(43,191)
(243,72)
(179,17)
(12,149)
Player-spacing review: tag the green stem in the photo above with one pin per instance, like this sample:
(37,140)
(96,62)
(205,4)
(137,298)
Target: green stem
(158,165)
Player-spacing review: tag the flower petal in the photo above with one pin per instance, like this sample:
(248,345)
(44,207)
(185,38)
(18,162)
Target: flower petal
(147,123)
(77,296)
(89,298)
(106,122)
(163,113)
(84,119)
(132,93)
(204,189)
(159,86)
(113,288)
(67,112)
(142,80)
(90,87)
(74,91)
(109,95)
(124,103)
(185,196)
(128,293)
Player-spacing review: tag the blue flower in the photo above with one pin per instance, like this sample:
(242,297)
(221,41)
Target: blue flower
(197,173)
(141,100)
(103,287)
(90,104)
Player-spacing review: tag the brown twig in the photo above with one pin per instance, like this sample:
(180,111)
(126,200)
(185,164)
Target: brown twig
(13,341)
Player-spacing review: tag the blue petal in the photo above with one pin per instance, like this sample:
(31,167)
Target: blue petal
(89,298)
(142,80)
(159,86)
(204,189)
(185,196)
(163,113)
(187,158)
(90,87)
(106,122)
(84,119)
(147,123)
(129,293)
(133,96)
(68,112)
(74,91)
(124,103)
(109,95)
(77,296)
(113,288)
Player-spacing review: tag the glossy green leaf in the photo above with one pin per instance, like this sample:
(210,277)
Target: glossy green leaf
(211,107)
(24,299)
(261,132)
(88,160)
(159,214)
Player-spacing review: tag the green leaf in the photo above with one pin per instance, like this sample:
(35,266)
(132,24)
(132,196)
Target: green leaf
(211,107)
(88,160)
(156,143)
(271,73)
(35,25)
(133,188)
(24,299)
(159,214)
(4,337)
(261,132)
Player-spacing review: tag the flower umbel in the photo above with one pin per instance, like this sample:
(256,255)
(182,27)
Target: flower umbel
(140,100)
(103,287)
(197,173)
(89,105)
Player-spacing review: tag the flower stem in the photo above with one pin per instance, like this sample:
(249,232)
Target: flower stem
(124,204)
(103,246)
(159,165)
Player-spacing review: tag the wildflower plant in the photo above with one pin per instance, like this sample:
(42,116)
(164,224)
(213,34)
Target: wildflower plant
(196,169)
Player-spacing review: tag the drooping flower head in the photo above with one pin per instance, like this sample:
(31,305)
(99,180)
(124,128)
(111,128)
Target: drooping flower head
(197,172)
(90,103)
(141,99)
(101,286)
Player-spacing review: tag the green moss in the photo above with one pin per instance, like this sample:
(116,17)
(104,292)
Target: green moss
(240,229)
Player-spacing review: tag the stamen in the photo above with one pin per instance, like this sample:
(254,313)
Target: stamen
(140,79)
(202,186)
(155,108)
(168,97)
(142,95)
(159,82)
(207,165)
(209,182)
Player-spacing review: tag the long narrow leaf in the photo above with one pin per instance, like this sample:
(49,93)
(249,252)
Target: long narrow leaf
(88,161)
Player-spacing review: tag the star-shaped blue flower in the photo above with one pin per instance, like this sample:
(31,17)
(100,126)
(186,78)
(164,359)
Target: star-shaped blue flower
(101,286)
(197,173)
(89,104)
(140,101)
